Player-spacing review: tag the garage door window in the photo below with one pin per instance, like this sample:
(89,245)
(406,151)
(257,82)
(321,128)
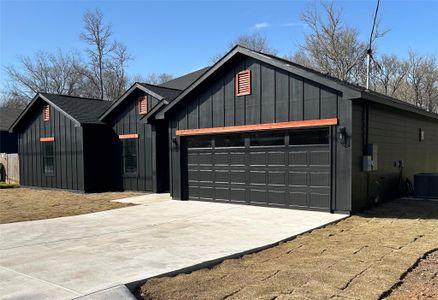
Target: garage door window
(267,139)
(309,137)
(229,141)
(199,142)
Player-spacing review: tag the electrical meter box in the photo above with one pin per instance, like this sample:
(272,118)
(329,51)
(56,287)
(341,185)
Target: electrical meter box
(369,160)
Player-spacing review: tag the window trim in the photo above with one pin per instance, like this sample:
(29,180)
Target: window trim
(124,156)
(247,90)
(140,107)
(44,143)
(46,113)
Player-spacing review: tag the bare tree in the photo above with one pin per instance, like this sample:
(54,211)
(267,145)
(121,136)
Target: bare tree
(389,75)
(45,72)
(421,81)
(255,41)
(153,78)
(115,78)
(333,47)
(97,35)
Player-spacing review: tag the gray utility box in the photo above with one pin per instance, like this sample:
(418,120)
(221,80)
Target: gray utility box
(426,185)
(369,160)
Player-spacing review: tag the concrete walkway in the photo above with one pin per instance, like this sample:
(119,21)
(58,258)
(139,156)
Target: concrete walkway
(69,257)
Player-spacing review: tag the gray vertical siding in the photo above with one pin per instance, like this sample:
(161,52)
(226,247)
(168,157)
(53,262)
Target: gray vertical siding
(68,146)
(276,96)
(126,120)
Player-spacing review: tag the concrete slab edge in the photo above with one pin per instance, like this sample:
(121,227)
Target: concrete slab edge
(116,292)
(134,285)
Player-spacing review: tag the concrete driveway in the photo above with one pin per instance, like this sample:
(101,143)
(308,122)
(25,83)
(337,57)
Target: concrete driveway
(68,257)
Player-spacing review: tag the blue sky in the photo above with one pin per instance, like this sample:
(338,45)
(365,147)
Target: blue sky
(180,36)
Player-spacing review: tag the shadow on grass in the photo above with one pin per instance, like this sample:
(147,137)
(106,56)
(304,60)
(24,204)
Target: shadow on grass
(405,208)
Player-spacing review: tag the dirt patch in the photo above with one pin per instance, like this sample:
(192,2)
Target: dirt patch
(421,282)
(24,204)
(360,257)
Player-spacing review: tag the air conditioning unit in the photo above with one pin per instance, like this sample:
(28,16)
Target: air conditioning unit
(426,185)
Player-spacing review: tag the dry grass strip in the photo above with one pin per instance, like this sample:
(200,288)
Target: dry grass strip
(358,258)
(24,204)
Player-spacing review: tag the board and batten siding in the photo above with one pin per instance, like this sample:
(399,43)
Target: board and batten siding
(126,120)
(68,147)
(276,96)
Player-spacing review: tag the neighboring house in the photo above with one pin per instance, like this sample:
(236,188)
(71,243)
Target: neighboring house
(259,129)
(141,149)
(63,144)
(8,140)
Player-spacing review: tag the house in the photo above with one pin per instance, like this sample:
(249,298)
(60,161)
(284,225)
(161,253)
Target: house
(258,129)
(63,144)
(92,145)
(252,129)
(8,140)
(141,149)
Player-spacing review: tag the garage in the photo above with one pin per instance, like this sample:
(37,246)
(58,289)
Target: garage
(275,168)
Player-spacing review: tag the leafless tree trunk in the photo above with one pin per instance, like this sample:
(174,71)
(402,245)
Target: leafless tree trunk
(98,36)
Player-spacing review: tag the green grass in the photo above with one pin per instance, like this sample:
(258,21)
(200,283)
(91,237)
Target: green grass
(4,185)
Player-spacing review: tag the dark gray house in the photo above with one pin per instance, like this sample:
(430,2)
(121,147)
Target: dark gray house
(92,145)
(8,140)
(258,129)
(63,144)
(140,150)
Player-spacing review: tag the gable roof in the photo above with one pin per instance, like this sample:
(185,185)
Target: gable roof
(165,92)
(161,93)
(7,116)
(183,82)
(79,109)
(349,91)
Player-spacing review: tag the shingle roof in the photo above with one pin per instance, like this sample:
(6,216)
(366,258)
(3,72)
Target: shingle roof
(183,82)
(83,110)
(167,93)
(8,116)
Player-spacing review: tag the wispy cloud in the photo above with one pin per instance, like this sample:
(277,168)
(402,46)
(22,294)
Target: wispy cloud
(295,24)
(261,25)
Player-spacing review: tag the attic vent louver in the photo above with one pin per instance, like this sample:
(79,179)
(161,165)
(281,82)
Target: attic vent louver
(143,105)
(46,112)
(243,83)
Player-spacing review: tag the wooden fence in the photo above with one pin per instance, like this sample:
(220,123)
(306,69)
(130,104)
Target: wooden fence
(11,164)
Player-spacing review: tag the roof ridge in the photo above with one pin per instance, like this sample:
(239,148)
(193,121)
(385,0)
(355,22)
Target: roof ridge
(77,97)
(159,86)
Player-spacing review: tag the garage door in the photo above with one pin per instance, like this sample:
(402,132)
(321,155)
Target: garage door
(289,169)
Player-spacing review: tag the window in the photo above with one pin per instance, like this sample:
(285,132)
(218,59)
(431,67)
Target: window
(199,142)
(229,141)
(243,83)
(267,139)
(48,158)
(309,137)
(143,105)
(46,112)
(129,156)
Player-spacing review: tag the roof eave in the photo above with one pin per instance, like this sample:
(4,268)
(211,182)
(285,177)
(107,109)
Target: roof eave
(392,102)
